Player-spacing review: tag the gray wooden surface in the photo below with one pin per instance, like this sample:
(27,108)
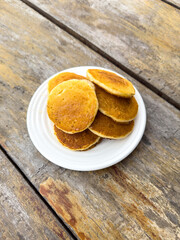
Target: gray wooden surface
(142,36)
(22,213)
(135,199)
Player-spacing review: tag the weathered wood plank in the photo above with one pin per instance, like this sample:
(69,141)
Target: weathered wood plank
(174,2)
(23,214)
(144,36)
(139,197)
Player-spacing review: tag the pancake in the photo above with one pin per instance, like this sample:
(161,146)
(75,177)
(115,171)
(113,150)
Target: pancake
(111,82)
(105,127)
(118,108)
(72,105)
(61,77)
(78,141)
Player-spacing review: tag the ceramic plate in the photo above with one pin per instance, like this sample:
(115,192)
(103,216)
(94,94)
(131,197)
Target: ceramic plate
(104,154)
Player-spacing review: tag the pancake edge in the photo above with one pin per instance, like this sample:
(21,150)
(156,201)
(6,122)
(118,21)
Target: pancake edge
(116,119)
(108,89)
(63,81)
(108,137)
(80,149)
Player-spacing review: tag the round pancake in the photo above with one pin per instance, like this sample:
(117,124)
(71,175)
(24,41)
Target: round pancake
(118,108)
(78,141)
(61,77)
(105,127)
(111,82)
(72,105)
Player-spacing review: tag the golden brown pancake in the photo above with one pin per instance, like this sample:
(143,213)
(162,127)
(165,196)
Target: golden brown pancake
(105,127)
(111,82)
(78,141)
(118,108)
(72,105)
(61,77)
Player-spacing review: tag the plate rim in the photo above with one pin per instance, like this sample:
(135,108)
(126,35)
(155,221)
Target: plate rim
(117,158)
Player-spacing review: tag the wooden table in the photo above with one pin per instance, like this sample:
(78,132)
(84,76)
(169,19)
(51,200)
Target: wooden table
(138,198)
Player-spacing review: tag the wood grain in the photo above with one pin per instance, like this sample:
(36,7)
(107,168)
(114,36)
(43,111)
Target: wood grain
(143,36)
(174,2)
(135,199)
(23,214)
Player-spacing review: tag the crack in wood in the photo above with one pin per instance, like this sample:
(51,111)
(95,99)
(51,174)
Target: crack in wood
(36,192)
(171,4)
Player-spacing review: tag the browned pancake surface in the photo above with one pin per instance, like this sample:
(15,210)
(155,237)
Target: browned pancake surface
(72,105)
(78,141)
(118,108)
(61,77)
(104,126)
(111,82)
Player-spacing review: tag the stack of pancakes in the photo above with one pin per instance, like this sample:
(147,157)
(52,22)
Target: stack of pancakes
(84,110)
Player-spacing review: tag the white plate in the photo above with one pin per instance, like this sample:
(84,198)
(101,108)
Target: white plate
(103,155)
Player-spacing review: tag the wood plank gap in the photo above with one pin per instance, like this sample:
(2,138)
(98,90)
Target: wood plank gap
(102,53)
(171,4)
(37,193)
